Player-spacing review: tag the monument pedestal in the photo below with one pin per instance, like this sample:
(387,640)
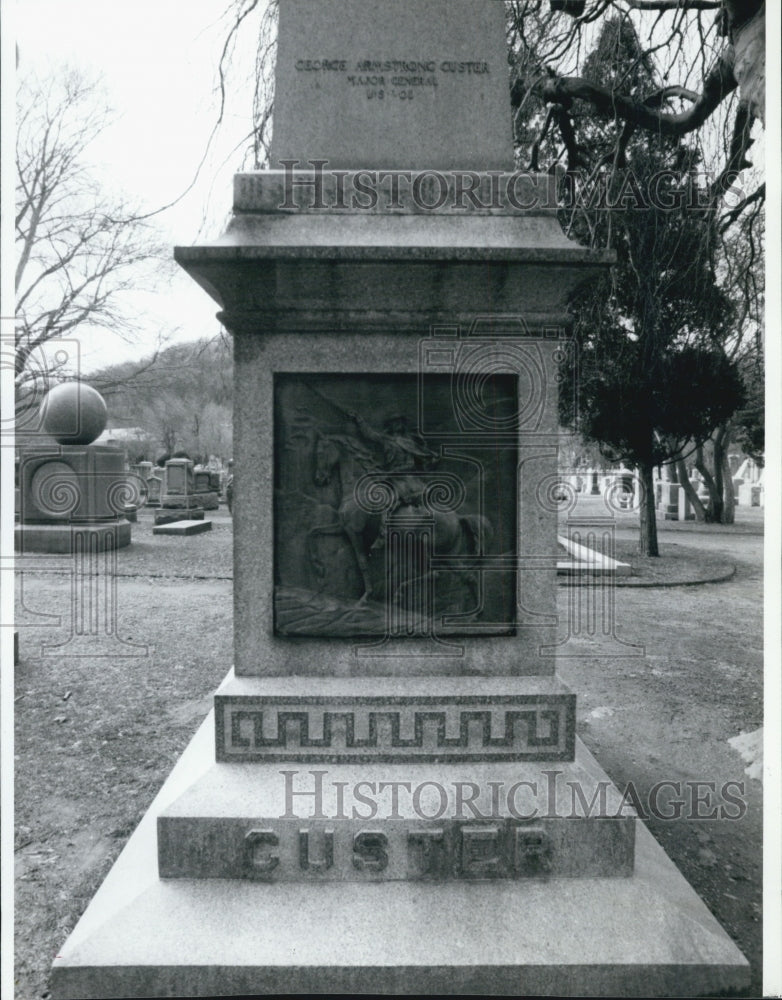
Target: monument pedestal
(73,498)
(647,934)
(68,538)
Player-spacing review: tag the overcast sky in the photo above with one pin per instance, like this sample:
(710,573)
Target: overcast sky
(159,60)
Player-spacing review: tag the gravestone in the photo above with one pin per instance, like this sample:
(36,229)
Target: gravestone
(686,510)
(144,469)
(362,814)
(154,489)
(751,494)
(669,497)
(203,489)
(178,485)
(73,494)
(185,489)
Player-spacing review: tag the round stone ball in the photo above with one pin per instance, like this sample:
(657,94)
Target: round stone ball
(74,413)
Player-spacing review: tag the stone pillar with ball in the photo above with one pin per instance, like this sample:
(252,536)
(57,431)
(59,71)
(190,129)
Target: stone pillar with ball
(73,493)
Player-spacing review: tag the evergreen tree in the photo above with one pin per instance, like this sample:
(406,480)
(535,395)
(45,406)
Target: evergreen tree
(651,374)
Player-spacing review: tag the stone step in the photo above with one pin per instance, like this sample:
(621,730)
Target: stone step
(410,822)
(354,720)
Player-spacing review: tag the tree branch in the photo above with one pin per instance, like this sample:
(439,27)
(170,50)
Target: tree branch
(718,84)
(666,5)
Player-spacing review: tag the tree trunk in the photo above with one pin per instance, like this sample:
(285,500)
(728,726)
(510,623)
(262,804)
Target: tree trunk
(691,494)
(714,511)
(647,541)
(749,62)
(721,444)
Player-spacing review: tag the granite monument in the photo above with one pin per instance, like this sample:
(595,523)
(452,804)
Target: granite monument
(391,797)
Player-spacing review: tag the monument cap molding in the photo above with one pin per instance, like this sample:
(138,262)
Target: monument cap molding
(315,186)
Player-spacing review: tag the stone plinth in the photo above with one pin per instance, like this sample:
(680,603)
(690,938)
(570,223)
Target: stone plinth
(71,495)
(172,516)
(66,538)
(208,501)
(314,720)
(446,823)
(73,484)
(183,528)
(191,502)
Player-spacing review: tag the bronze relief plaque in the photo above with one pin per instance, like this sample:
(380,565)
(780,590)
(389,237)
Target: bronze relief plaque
(389,521)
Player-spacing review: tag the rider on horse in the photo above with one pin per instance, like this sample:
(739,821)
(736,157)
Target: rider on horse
(403,452)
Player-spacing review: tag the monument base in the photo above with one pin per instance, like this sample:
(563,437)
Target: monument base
(60,537)
(194,501)
(209,501)
(647,935)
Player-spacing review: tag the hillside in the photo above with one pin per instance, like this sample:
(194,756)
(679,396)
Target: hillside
(180,400)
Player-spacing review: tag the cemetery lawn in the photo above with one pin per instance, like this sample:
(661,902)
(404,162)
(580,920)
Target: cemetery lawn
(96,736)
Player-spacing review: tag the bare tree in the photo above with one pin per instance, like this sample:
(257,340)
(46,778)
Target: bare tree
(709,59)
(79,247)
(736,60)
